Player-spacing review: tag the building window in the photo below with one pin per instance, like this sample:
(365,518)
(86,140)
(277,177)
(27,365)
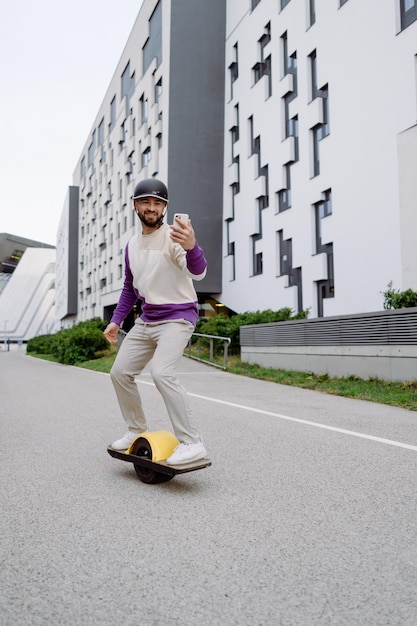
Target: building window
(293,132)
(322,209)
(284,195)
(153,46)
(234,69)
(234,131)
(112,114)
(146,157)
(231,253)
(323,129)
(143,103)
(123,134)
(311,12)
(285,254)
(100,133)
(286,269)
(128,83)
(316,155)
(158,89)
(408,11)
(263,67)
(257,262)
(325,288)
(91,148)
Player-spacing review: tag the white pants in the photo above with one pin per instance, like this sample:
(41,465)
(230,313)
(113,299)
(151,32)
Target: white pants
(163,343)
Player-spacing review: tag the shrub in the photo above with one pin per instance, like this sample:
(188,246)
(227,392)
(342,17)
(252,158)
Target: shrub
(223,326)
(41,344)
(395,299)
(73,345)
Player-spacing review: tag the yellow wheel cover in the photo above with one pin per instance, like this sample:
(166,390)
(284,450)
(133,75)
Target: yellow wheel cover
(162,442)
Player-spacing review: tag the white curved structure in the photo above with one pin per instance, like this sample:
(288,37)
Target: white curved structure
(27,303)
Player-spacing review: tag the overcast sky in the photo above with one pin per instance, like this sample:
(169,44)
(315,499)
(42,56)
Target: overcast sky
(56,62)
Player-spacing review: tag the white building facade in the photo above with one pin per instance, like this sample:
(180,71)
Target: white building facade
(320,191)
(285,128)
(162,116)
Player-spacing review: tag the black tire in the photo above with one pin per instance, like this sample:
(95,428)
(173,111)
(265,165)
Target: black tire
(146,475)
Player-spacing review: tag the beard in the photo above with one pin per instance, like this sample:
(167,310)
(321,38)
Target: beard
(150,220)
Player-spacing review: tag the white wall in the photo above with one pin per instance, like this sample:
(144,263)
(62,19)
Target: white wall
(371,73)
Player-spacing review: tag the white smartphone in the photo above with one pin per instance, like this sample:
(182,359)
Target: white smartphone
(182,216)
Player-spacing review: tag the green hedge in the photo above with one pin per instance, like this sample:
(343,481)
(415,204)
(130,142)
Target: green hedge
(223,326)
(73,345)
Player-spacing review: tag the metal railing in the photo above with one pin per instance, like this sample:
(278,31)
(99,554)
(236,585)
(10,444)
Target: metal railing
(212,339)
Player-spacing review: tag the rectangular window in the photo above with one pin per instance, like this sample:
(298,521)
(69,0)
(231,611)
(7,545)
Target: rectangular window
(324,129)
(408,11)
(257,257)
(153,46)
(100,133)
(158,89)
(143,102)
(285,254)
(311,12)
(128,83)
(267,71)
(231,253)
(90,154)
(112,113)
(284,195)
(234,131)
(234,69)
(263,66)
(313,74)
(316,155)
(293,132)
(146,157)
(322,210)
(123,136)
(258,264)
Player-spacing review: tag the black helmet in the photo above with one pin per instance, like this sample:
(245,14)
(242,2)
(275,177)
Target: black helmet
(151,187)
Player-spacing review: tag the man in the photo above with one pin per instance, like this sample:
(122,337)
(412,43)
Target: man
(160,264)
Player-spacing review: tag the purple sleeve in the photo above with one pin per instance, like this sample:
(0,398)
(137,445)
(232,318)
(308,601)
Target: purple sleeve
(196,261)
(128,296)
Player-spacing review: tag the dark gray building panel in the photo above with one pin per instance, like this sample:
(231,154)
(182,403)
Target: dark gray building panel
(73,196)
(196,117)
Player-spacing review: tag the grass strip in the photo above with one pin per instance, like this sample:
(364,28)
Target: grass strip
(399,394)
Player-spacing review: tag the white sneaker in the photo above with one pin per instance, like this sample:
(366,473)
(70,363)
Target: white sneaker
(187,452)
(124,442)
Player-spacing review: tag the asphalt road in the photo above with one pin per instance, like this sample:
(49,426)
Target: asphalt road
(306,517)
